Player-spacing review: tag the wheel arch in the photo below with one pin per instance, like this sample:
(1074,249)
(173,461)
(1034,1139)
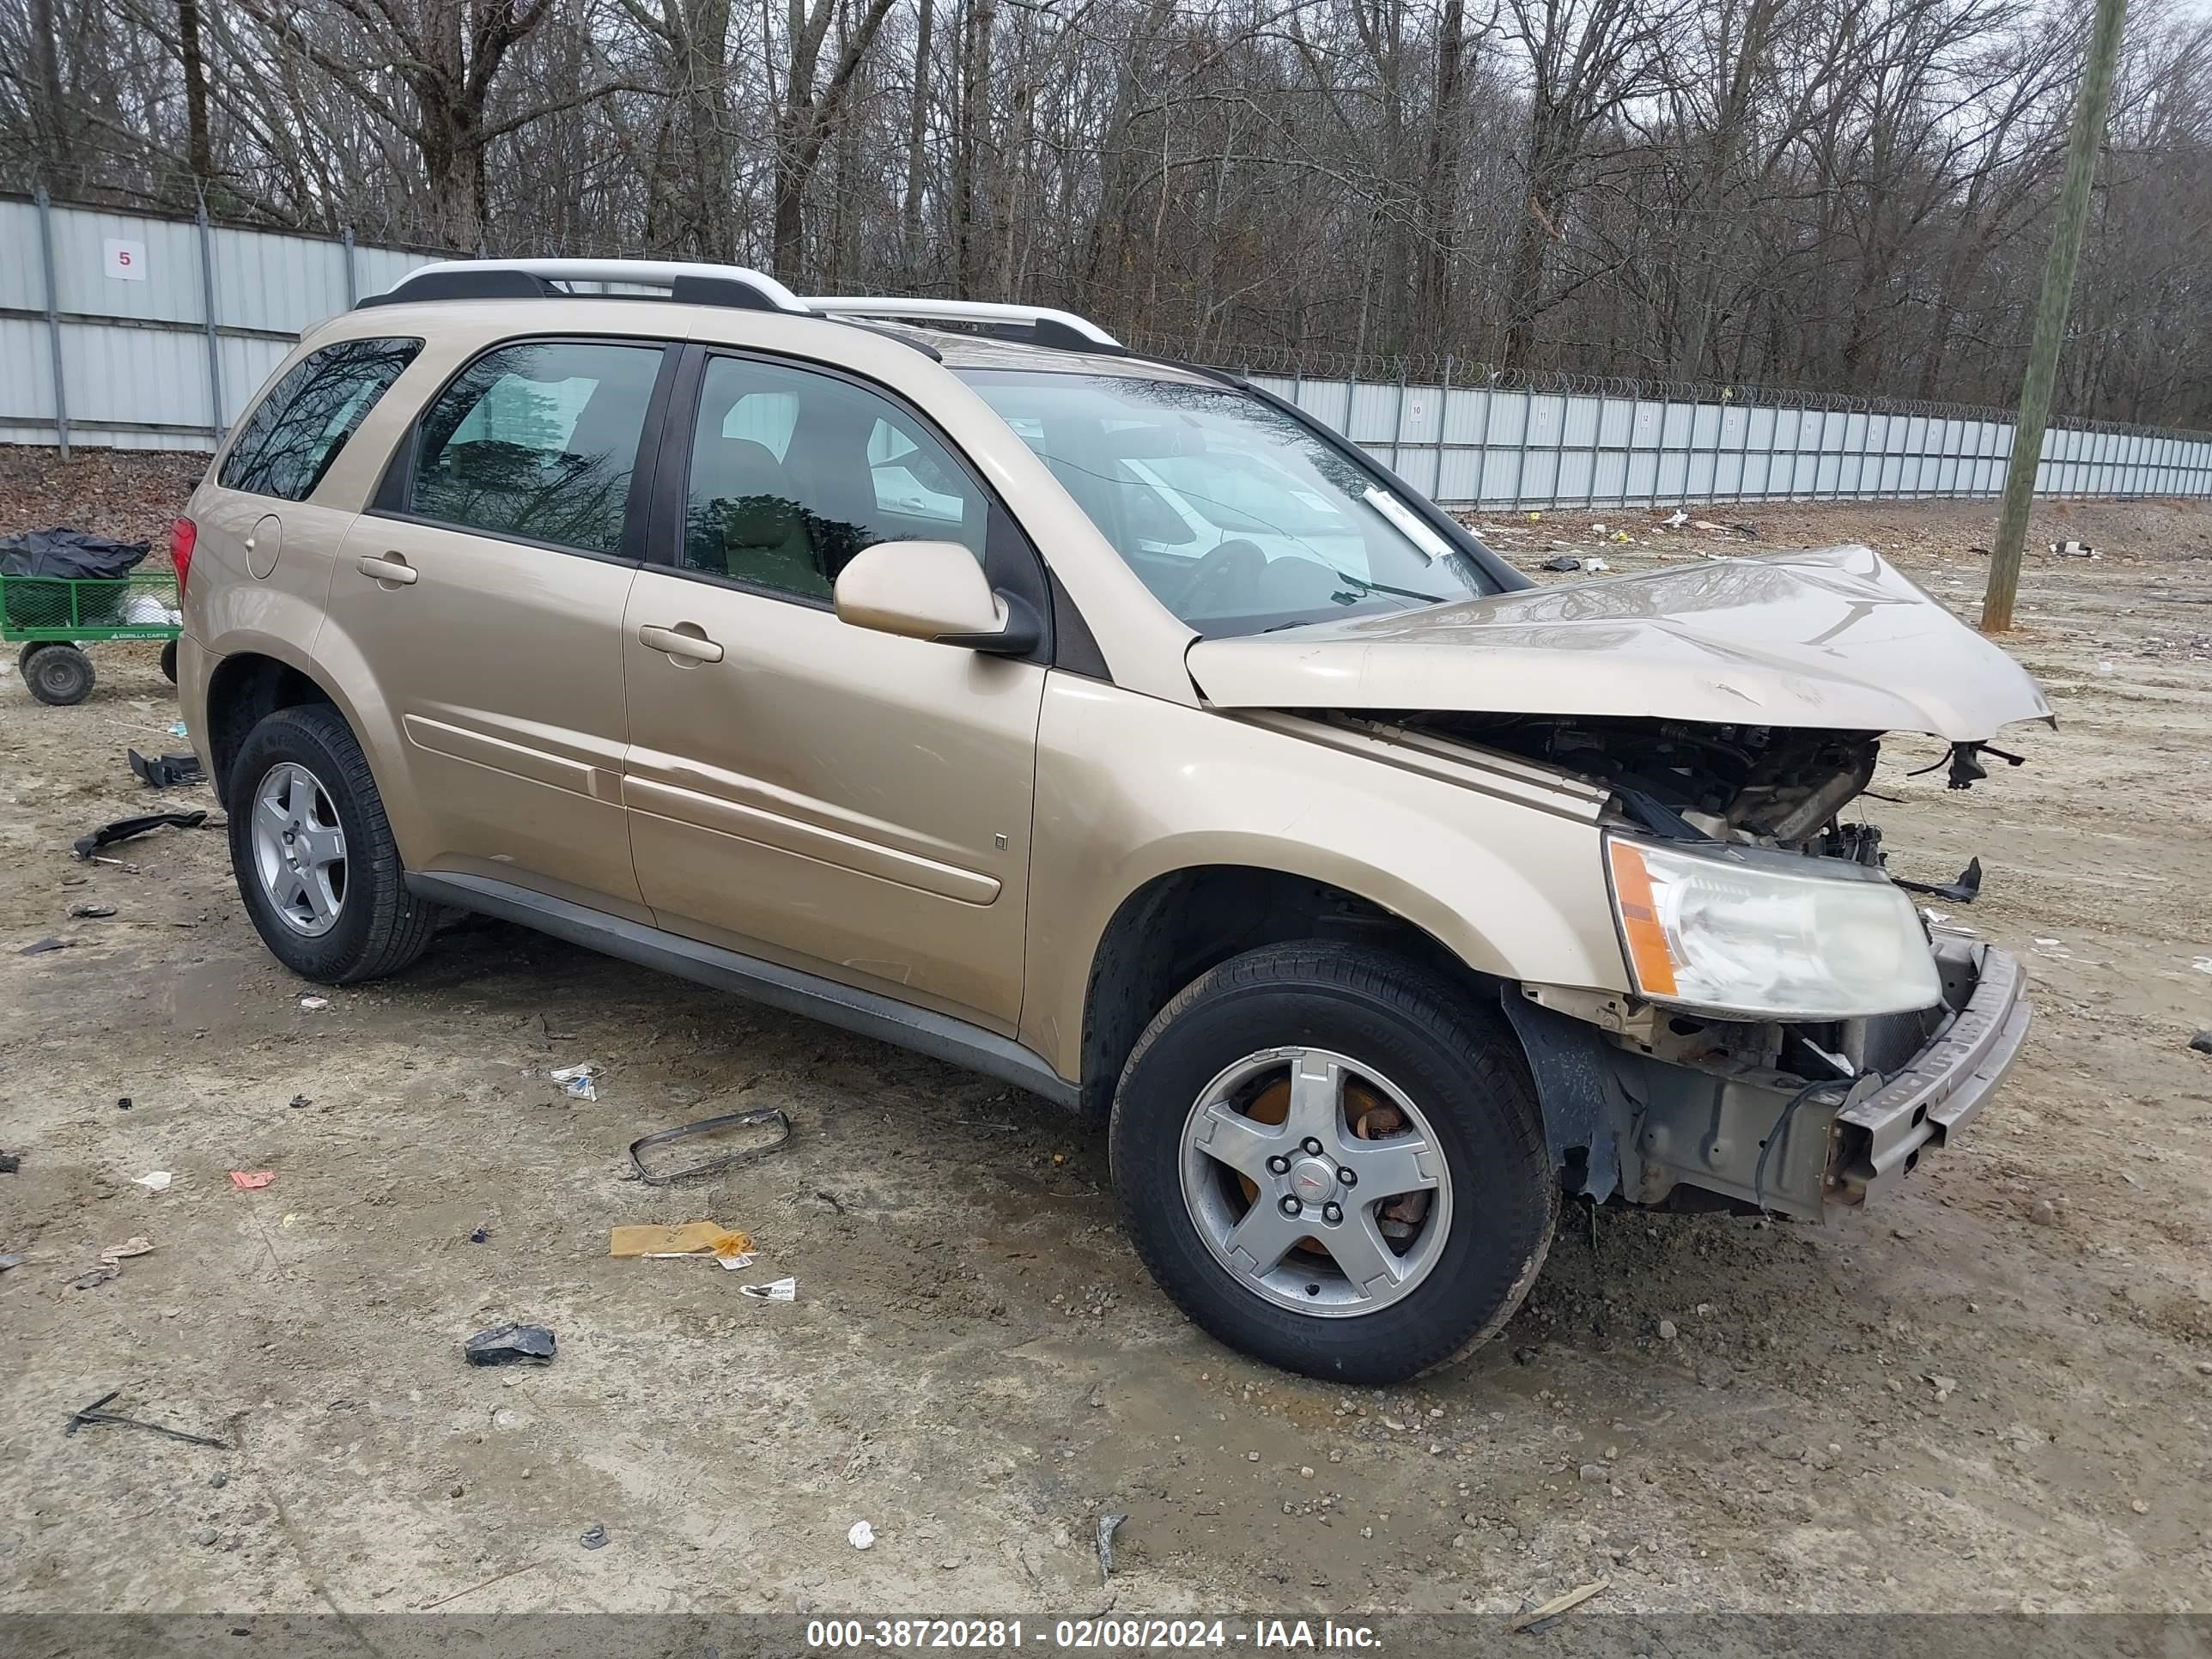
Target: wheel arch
(1182,921)
(243,689)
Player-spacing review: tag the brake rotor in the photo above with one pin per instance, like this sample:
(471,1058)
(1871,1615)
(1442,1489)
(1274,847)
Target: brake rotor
(1367,1117)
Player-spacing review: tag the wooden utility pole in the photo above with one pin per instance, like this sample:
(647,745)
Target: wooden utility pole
(2050,314)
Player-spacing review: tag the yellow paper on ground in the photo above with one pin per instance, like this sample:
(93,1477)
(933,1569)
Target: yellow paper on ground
(686,1239)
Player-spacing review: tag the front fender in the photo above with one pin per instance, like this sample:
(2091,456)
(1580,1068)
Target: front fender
(1130,788)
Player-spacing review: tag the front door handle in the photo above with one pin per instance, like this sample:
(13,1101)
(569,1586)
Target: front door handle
(391,567)
(683,642)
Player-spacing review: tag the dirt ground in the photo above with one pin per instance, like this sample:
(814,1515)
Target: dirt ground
(1994,1394)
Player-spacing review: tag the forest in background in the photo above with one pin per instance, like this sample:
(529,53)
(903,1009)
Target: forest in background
(1850,195)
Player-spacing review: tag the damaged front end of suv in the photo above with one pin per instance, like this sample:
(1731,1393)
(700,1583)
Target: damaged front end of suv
(1795,1030)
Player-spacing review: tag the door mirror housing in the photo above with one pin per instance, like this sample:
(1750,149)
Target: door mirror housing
(933,591)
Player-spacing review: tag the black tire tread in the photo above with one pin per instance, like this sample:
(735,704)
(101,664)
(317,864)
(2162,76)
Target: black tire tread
(1413,992)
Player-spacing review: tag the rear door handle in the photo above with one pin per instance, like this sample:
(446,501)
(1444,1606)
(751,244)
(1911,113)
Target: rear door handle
(389,568)
(683,641)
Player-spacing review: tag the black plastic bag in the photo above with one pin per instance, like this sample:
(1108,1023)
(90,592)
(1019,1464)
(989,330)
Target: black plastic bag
(78,555)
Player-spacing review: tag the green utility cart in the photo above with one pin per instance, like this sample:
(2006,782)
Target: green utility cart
(54,617)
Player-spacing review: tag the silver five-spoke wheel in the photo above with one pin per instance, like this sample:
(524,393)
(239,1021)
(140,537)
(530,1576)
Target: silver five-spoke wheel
(298,849)
(1317,1182)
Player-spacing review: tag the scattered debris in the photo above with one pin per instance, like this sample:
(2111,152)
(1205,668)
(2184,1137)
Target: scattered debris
(1598,530)
(862,1536)
(1746,532)
(1108,1526)
(594,1538)
(703,1239)
(1945,1387)
(2073,550)
(510,1344)
(251,1180)
(425,1606)
(43,946)
(8,1261)
(1560,1604)
(1704,524)
(1676,522)
(111,1265)
(311,1004)
(10,1162)
(299,1102)
(482,1235)
(2202,1043)
(123,1102)
(769,1118)
(167,771)
(1596,564)
(124,829)
(577,1080)
(92,1415)
(90,910)
(1565,562)
(154,1181)
(832,1199)
(782,1289)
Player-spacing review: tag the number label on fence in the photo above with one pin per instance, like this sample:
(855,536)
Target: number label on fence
(125,262)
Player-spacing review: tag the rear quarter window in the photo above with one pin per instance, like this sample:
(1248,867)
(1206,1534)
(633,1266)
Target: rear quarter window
(287,443)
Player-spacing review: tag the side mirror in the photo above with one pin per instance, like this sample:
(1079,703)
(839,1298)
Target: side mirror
(933,591)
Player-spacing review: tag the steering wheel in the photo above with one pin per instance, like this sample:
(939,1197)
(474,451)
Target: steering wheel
(1220,574)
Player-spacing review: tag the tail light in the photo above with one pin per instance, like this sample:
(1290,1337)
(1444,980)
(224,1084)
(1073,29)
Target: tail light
(184,536)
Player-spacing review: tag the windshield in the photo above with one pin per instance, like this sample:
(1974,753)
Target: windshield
(1239,518)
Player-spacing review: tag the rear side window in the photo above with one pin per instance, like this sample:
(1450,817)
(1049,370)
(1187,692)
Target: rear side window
(295,433)
(537,441)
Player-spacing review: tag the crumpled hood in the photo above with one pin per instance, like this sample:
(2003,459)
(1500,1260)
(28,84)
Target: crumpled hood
(1831,637)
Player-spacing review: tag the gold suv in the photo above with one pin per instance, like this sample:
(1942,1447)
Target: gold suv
(952,674)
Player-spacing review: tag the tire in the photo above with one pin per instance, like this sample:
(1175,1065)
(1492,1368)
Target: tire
(169,661)
(56,673)
(1399,1040)
(374,926)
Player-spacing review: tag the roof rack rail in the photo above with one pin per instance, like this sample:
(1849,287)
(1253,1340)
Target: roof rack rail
(1062,329)
(688,282)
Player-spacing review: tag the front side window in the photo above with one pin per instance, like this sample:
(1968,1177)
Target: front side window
(793,472)
(289,441)
(1239,518)
(537,441)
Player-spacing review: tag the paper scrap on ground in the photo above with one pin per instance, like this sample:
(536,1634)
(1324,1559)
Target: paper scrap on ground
(861,1536)
(312,1003)
(251,1180)
(113,1255)
(783,1290)
(690,1238)
(577,1080)
(156,1181)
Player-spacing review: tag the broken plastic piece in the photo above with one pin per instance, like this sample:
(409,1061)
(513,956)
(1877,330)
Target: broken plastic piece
(510,1344)
(1962,891)
(656,1173)
(154,1181)
(164,771)
(124,829)
(251,1180)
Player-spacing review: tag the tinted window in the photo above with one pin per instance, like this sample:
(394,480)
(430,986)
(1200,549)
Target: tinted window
(537,441)
(295,433)
(792,472)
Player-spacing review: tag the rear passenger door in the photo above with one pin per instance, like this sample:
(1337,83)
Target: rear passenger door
(483,595)
(834,798)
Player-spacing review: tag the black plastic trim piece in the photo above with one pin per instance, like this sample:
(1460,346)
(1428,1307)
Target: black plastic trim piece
(922,1030)
(1074,647)
(493,285)
(721,291)
(1021,636)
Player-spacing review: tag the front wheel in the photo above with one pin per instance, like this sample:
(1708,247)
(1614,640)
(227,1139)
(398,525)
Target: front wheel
(1332,1158)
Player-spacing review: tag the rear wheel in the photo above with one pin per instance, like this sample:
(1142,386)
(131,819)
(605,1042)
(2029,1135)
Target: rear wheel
(57,672)
(1332,1159)
(169,661)
(315,857)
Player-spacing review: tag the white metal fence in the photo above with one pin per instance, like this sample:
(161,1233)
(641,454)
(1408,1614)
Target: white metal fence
(132,331)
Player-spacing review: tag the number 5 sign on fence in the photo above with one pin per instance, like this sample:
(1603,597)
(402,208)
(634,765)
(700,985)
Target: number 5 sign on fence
(126,262)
